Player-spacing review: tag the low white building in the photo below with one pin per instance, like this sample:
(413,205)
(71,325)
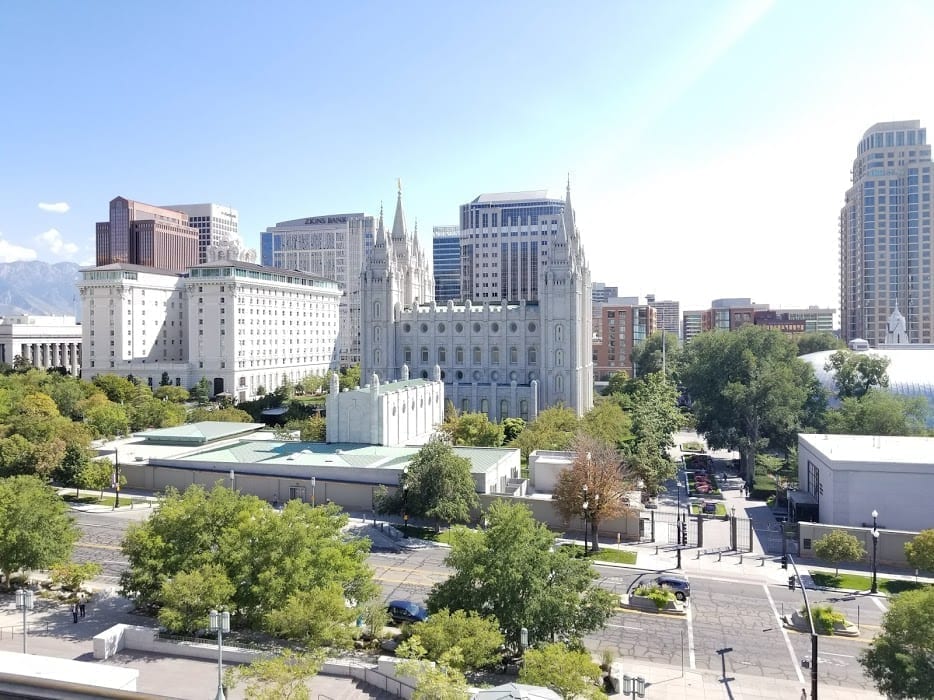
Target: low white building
(43,341)
(850,476)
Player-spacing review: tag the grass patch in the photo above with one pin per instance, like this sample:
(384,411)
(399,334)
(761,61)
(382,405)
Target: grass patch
(617,556)
(858,582)
(692,446)
(125,501)
(719,512)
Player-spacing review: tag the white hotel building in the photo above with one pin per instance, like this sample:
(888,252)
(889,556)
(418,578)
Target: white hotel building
(240,325)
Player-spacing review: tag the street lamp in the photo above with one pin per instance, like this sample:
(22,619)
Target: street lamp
(405,499)
(875,545)
(116,477)
(633,686)
(312,492)
(24,601)
(233,480)
(594,514)
(220,622)
(585,505)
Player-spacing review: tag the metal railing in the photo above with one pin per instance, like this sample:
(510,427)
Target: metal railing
(11,631)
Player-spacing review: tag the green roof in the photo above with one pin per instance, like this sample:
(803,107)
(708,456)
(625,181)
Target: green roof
(198,433)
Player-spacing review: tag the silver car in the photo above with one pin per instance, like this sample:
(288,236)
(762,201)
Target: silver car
(679,585)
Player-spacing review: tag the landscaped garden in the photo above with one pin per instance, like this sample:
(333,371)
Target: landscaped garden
(857,582)
(703,484)
(719,509)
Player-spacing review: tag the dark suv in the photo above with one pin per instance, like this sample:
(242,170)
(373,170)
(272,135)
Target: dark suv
(679,585)
(406,611)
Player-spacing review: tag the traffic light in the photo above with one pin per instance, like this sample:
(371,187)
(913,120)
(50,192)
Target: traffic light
(791,583)
(684,532)
(784,561)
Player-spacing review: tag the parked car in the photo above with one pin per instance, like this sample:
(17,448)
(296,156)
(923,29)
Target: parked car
(679,585)
(402,611)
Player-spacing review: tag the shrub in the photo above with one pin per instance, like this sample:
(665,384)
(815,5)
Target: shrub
(825,617)
(657,594)
(71,576)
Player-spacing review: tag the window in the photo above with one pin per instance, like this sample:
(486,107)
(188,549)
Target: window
(559,333)
(459,355)
(477,355)
(407,354)
(503,409)
(465,405)
(513,355)
(494,355)
(442,355)
(376,309)
(424,354)
(484,406)
(559,384)
(533,356)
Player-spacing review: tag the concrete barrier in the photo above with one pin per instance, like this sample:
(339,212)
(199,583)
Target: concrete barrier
(638,602)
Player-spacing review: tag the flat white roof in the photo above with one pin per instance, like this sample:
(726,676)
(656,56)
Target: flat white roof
(884,449)
(55,669)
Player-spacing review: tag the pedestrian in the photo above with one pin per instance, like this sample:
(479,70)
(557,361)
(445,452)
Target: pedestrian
(804,694)
(81,604)
(74,612)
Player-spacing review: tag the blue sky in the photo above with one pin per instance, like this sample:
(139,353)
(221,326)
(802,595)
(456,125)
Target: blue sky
(709,143)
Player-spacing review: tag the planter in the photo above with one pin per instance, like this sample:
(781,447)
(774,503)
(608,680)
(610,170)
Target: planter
(638,602)
(799,622)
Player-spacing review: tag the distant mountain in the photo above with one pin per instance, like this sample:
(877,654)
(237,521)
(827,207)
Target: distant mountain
(39,288)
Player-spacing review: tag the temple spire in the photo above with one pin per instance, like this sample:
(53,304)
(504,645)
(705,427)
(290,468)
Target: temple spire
(398,223)
(380,231)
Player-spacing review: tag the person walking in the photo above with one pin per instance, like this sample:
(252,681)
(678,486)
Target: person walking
(804,694)
(74,612)
(81,605)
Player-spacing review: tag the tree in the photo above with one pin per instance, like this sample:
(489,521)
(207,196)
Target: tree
(655,417)
(227,415)
(117,389)
(473,429)
(175,394)
(854,373)
(837,547)
(543,589)
(97,474)
(607,422)
(107,419)
(189,596)
(920,551)
(435,681)
(268,555)
(749,390)
(617,384)
(319,618)
(350,377)
(71,575)
(817,342)
(652,355)
(36,531)
(282,677)
(878,412)
(478,638)
(437,485)
(599,468)
(511,429)
(200,392)
(314,429)
(553,429)
(570,673)
(899,659)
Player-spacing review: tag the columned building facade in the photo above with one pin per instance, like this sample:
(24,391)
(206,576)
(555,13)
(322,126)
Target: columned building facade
(504,357)
(42,341)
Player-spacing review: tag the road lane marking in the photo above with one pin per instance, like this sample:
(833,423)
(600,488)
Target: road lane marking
(689,616)
(845,656)
(99,546)
(781,625)
(879,604)
(624,627)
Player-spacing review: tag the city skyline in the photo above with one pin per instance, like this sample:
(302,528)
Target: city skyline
(692,135)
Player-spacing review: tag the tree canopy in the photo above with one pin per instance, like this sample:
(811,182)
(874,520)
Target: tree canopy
(474,429)
(920,551)
(655,418)
(552,429)
(749,390)
(878,412)
(36,531)
(854,373)
(838,547)
(542,588)
(817,342)
(899,659)
(571,673)
(266,555)
(477,638)
(653,355)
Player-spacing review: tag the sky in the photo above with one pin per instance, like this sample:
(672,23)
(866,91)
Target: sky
(708,144)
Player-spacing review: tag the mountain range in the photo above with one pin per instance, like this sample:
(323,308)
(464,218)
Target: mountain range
(39,288)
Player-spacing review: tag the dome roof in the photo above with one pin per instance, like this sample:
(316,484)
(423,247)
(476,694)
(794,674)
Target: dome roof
(910,370)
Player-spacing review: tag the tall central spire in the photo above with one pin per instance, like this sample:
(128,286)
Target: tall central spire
(398,223)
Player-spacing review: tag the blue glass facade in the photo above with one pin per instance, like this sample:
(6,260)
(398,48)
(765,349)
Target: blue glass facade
(446,263)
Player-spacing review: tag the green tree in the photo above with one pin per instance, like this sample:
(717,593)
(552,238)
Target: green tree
(553,429)
(543,589)
(175,394)
(165,380)
(920,551)
(607,422)
(854,373)
(473,429)
(350,377)
(314,429)
(569,672)
(619,381)
(318,618)
(36,531)
(749,390)
(68,395)
(438,485)
(818,342)
(117,389)
(478,638)
(512,427)
(189,596)
(17,456)
(282,677)
(97,475)
(227,415)
(71,575)
(652,355)
(146,411)
(599,468)
(200,392)
(269,555)
(838,547)
(878,412)
(435,681)
(899,659)
(107,419)
(655,418)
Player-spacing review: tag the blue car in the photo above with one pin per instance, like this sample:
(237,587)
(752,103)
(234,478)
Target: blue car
(402,611)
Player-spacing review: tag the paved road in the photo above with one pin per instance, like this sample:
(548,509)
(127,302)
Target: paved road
(101,534)
(725,612)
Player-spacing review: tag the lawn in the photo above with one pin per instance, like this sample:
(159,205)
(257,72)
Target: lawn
(857,582)
(719,512)
(617,556)
(692,447)
(108,500)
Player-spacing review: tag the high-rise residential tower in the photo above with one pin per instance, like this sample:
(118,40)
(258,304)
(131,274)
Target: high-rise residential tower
(446,262)
(505,240)
(668,314)
(141,234)
(331,246)
(885,235)
(218,232)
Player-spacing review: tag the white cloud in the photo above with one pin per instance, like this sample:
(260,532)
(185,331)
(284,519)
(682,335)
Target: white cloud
(53,241)
(55,207)
(11,253)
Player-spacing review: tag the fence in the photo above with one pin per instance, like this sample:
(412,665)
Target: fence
(11,631)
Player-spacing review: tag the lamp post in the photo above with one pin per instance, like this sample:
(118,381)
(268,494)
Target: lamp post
(594,514)
(24,601)
(116,476)
(233,480)
(584,506)
(875,545)
(633,686)
(405,500)
(220,622)
(312,492)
